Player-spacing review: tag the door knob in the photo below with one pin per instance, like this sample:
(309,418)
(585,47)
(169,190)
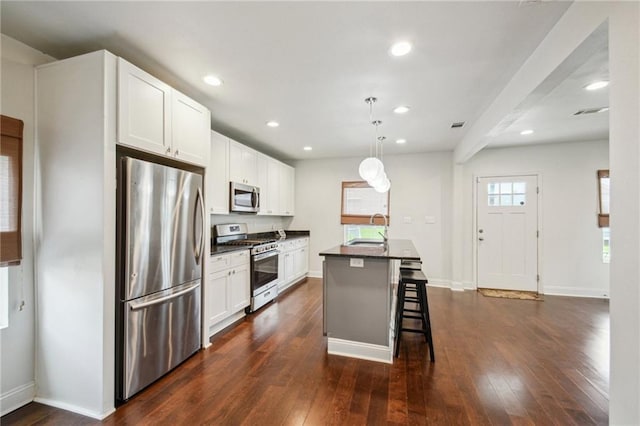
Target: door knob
(480,231)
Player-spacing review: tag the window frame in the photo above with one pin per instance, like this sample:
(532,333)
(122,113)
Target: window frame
(603,218)
(11,130)
(350,219)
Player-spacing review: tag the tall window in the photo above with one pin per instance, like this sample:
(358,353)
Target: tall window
(10,191)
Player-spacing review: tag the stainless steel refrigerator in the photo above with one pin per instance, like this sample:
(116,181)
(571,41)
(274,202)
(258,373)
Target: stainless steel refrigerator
(160,243)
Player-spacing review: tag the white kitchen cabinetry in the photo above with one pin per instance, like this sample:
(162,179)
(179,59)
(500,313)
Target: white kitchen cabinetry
(276,180)
(218,175)
(243,163)
(155,118)
(190,124)
(144,110)
(227,291)
(293,262)
(287,189)
(269,183)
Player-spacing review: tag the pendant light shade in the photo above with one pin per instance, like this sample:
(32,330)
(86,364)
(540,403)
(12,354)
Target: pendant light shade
(384,187)
(370,168)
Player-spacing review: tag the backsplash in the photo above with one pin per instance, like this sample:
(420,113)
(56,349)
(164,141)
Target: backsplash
(254,223)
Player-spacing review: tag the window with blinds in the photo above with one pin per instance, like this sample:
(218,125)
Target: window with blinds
(10,191)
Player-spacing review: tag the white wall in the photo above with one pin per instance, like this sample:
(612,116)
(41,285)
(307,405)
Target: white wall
(17,342)
(571,242)
(420,186)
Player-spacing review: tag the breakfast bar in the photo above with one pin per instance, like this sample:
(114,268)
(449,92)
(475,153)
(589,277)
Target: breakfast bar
(359,296)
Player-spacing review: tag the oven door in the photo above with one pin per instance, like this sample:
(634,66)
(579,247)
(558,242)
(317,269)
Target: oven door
(264,271)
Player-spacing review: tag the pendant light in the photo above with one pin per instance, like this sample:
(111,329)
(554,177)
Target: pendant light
(371,168)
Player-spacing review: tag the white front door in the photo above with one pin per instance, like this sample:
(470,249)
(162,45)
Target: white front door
(507,232)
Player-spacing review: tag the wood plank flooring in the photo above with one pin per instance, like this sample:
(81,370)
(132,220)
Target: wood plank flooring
(499,362)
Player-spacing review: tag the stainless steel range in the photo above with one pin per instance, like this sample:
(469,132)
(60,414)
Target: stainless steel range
(264,261)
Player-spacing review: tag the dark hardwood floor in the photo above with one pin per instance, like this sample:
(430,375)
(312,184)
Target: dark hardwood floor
(499,362)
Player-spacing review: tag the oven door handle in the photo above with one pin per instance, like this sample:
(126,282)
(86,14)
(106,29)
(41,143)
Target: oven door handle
(266,255)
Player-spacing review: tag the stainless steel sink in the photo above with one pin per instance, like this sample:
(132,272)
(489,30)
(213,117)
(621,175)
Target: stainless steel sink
(365,243)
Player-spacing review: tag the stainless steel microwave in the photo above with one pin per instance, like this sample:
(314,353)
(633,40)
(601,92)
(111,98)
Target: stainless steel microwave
(244,198)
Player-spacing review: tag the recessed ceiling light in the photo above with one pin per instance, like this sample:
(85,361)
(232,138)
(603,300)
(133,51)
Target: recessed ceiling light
(212,80)
(597,85)
(401,109)
(526,132)
(272,123)
(401,48)
(401,141)
(307,148)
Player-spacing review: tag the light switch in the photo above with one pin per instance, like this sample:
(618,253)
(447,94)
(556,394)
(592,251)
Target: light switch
(429,219)
(407,219)
(356,263)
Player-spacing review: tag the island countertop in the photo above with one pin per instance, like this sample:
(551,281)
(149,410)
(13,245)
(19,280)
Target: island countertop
(395,249)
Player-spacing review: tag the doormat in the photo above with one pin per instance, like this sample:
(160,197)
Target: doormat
(511,294)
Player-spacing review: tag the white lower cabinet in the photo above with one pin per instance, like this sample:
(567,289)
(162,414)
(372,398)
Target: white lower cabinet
(294,262)
(227,289)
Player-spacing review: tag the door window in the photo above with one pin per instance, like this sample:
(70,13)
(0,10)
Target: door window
(506,194)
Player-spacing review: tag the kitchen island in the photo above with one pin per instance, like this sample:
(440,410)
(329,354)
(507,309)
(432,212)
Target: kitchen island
(359,297)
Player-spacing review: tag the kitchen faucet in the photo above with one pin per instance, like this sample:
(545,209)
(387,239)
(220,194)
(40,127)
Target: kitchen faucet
(385,238)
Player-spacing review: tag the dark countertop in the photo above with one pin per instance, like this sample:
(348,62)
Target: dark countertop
(216,250)
(395,249)
(291,235)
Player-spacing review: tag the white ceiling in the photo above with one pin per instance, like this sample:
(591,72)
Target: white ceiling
(310,65)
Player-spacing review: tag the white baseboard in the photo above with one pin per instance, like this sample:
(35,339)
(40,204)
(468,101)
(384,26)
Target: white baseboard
(17,397)
(437,282)
(359,350)
(575,292)
(74,408)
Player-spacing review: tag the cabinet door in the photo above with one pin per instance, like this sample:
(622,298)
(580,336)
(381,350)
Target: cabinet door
(273,187)
(217,296)
(239,291)
(286,190)
(144,110)
(218,175)
(263,180)
(289,266)
(242,163)
(190,124)
(301,262)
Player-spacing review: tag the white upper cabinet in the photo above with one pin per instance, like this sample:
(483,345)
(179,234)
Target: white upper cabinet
(189,129)
(276,180)
(243,164)
(287,188)
(144,110)
(268,181)
(218,175)
(155,118)
(273,186)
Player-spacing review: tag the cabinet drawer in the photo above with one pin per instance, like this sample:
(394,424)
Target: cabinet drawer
(239,258)
(219,263)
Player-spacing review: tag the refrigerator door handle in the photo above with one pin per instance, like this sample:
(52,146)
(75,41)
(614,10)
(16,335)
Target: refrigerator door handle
(140,305)
(199,247)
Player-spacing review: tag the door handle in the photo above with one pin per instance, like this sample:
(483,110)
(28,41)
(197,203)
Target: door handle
(481,239)
(199,247)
